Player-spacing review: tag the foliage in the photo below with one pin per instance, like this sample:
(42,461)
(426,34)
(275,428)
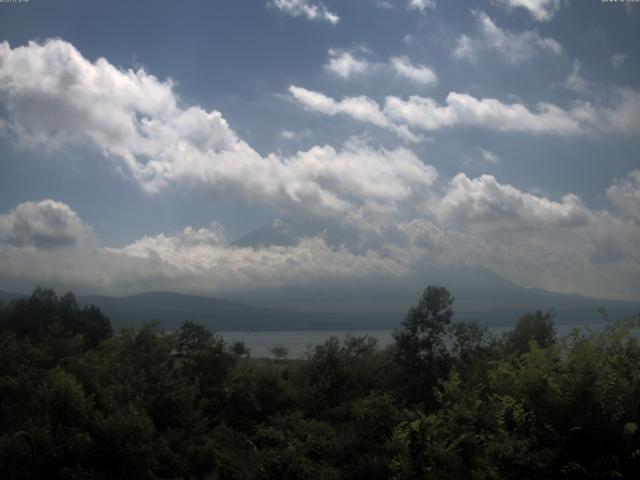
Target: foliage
(446,401)
(420,345)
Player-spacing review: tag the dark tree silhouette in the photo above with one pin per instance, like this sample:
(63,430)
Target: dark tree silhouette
(420,344)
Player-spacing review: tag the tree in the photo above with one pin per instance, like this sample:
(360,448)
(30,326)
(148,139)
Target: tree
(44,315)
(193,337)
(420,347)
(473,346)
(280,352)
(240,349)
(533,327)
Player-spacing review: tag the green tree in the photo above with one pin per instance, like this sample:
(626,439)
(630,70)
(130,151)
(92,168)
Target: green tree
(535,327)
(420,348)
(279,352)
(194,337)
(240,349)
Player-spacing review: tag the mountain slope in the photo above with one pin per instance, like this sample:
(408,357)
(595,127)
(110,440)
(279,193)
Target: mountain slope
(8,296)
(480,293)
(171,309)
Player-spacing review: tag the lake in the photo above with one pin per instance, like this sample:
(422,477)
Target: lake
(298,341)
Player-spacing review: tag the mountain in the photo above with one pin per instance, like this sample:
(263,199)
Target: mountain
(171,309)
(8,296)
(480,294)
(502,307)
(365,303)
(222,315)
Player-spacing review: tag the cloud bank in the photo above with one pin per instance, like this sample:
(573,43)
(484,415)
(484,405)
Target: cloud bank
(464,221)
(57,99)
(399,209)
(620,116)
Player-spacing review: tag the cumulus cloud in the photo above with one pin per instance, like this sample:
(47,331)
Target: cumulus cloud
(305,8)
(618,59)
(541,10)
(476,221)
(420,74)
(485,201)
(189,260)
(45,225)
(421,5)
(575,81)
(461,109)
(513,47)
(55,98)
(291,135)
(489,156)
(361,108)
(309,259)
(465,49)
(621,115)
(490,113)
(625,194)
(347,64)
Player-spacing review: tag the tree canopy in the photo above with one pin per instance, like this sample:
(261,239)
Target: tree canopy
(447,400)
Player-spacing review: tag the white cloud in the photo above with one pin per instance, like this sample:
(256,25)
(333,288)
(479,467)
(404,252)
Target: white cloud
(420,74)
(465,49)
(625,194)
(57,99)
(46,224)
(421,5)
(485,201)
(541,10)
(360,108)
(287,134)
(618,59)
(489,113)
(386,4)
(291,135)
(53,98)
(489,156)
(192,260)
(621,115)
(575,81)
(513,47)
(530,239)
(308,259)
(344,64)
(305,8)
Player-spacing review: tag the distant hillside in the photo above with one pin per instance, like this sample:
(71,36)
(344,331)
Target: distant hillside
(8,296)
(172,309)
(480,293)
(500,307)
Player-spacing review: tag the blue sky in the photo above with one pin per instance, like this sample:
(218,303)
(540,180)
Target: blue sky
(492,132)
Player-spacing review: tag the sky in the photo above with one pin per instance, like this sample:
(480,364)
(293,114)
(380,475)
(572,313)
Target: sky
(139,140)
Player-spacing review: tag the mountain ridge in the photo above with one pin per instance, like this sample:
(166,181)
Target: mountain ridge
(171,309)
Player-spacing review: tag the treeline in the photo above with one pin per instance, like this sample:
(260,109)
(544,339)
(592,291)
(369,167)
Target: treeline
(445,401)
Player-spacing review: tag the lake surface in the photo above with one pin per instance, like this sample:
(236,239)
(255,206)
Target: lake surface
(299,341)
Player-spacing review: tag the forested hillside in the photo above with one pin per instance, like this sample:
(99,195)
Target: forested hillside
(446,401)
